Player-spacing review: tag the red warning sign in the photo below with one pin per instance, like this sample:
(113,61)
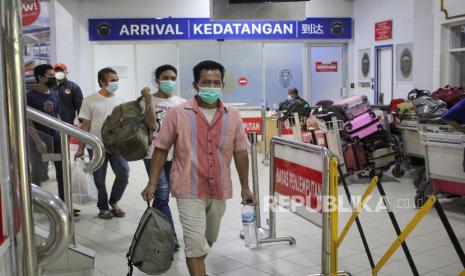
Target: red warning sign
(30,11)
(326,66)
(243,81)
(252,125)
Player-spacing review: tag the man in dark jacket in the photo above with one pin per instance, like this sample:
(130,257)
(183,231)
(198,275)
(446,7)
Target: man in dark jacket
(293,98)
(69,94)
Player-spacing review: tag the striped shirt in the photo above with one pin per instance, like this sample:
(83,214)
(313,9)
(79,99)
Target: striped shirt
(202,151)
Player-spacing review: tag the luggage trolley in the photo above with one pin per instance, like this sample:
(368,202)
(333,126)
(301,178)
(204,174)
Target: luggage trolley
(444,160)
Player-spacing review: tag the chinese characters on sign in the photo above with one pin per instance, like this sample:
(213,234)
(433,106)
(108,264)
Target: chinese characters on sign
(383,30)
(252,125)
(312,29)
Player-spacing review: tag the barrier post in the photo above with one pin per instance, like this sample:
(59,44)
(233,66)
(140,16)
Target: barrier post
(266,154)
(262,233)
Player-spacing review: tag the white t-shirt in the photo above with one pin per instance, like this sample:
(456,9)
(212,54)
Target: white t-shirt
(96,108)
(208,113)
(163,105)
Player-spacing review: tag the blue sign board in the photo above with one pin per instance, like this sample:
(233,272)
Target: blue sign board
(207,29)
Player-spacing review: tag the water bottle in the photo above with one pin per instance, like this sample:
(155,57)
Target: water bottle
(248,221)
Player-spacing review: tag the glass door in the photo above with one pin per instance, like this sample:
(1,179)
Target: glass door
(327,72)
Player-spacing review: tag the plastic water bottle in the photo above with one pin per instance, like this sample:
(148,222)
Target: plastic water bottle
(248,221)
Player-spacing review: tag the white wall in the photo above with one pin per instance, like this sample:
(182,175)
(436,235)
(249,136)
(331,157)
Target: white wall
(329,8)
(72,43)
(366,14)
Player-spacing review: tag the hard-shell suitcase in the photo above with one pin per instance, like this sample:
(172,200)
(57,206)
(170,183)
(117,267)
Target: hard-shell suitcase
(362,126)
(315,137)
(354,106)
(383,157)
(354,157)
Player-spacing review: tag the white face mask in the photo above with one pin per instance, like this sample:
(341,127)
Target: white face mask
(289,97)
(60,76)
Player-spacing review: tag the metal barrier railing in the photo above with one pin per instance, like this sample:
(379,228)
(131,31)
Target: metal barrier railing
(67,130)
(60,228)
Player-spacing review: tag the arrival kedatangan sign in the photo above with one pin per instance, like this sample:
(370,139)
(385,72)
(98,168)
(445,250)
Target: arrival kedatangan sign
(206,29)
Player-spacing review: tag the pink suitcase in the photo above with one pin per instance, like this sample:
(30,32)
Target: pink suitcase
(314,135)
(362,126)
(354,106)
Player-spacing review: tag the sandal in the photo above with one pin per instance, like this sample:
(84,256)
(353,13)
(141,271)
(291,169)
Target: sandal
(118,212)
(105,214)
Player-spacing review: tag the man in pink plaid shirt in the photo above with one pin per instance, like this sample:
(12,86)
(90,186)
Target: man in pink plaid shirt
(206,135)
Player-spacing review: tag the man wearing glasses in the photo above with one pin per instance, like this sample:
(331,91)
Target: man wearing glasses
(205,134)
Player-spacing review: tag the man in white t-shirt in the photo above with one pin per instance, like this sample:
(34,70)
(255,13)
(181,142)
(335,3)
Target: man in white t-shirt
(162,101)
(94,110)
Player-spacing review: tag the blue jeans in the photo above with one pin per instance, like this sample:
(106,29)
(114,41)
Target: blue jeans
(120,167)
(162,194)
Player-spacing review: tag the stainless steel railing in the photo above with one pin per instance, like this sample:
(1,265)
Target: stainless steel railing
(67,130)
(60,228)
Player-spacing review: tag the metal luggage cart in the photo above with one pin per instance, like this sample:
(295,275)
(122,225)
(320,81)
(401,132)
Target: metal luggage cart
(410,137)
(444,157)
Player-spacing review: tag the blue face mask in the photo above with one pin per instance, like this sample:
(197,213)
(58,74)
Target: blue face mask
(112,86)
(210,94)
(167,86)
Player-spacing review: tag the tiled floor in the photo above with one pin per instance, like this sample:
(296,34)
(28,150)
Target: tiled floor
(431,249)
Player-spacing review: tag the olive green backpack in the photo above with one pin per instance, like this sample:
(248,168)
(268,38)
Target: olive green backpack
(124,131)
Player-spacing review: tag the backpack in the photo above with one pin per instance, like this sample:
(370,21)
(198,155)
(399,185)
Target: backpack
(124,131)
(325,113)
(152,247)
(427,107)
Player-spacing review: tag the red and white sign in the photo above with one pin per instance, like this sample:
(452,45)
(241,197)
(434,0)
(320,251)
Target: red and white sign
(252,125)
(383,30)
(243,81)
(294,180)
(30,11)
(326,66)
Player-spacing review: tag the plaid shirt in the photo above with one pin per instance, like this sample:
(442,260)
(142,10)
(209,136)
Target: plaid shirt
(202,151)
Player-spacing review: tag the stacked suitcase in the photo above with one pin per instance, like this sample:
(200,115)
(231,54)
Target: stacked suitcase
(368,145)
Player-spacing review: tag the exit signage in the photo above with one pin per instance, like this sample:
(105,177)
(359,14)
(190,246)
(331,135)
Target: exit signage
(383,30)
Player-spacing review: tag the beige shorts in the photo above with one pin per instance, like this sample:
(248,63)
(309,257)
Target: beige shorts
(201,220)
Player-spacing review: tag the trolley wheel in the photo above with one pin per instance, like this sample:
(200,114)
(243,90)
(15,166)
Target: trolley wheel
(397,171)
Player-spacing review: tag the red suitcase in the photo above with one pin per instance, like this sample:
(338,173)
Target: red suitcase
(354,106)
(354,157)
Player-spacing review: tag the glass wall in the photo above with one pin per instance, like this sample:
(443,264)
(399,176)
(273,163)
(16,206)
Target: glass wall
(284,67)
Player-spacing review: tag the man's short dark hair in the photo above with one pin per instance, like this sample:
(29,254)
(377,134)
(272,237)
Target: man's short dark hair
(207,65)
(102,74)
(41,70)
(293,90)
(164,68)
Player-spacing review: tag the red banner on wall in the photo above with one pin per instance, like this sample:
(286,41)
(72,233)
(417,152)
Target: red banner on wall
(252,125)
(291,179)
(326,66)
(383,30)
(30,11)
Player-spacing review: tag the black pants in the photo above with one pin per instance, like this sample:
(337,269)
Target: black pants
(40,168)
